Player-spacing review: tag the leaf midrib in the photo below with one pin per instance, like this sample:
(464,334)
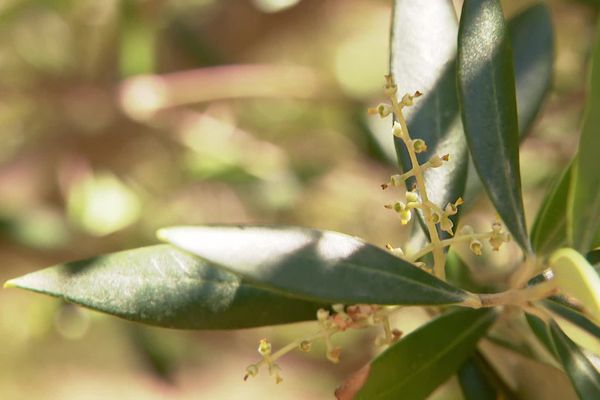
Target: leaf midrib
(367,268)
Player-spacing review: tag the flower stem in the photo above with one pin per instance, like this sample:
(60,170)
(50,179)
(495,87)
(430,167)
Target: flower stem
(448,242)
(439,258)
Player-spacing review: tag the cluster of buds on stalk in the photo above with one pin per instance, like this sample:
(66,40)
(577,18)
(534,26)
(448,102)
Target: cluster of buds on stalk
(341,318)
(338,320)
(416,197)
(496,238)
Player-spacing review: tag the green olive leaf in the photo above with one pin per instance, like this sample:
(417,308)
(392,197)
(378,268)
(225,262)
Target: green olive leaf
(322,266)
(486,86)
(164,286)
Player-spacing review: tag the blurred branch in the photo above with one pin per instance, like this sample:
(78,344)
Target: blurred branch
(142,96)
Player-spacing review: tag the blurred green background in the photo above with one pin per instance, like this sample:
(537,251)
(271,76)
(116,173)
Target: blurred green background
(118,117)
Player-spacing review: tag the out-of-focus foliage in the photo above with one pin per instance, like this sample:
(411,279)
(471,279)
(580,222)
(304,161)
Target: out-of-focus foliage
(121,116)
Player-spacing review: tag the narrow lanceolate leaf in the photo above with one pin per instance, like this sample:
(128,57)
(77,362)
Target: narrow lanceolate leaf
(474,383)
(416,365)
(549,230)
(480,381)
(423,54)
(164,286)
(532,39)
(584,197)
(316,265)
(573,316)
(582,373)
(489,111)
(576,278)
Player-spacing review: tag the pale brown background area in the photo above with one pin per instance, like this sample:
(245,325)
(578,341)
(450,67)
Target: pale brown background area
(285,142)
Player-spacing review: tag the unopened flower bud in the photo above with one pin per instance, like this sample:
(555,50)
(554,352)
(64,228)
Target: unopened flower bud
(305,346)
(407,100)
(333,355)
(251,370)
(475,247)
(496,227)
(412,197)
(399,206)
(405,216)
(419,145)
(322,314)
(435,161)
(383,110)
(446,224)
(264,347)
(452,208)
(275,370)
(498,237)
(395,180)
(390,87)
(396,334)
(496,242)
(397,130)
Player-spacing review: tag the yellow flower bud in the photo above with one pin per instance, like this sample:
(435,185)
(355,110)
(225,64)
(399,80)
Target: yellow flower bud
(446,224)
(264,347)
(419,145)
(275,370)
(395,180)
(435,161)
(452,208)
(333,355)
(405,216)
(496,227)
(397,130)
(251,370)
(382,109)
(305,346)
(412,197)
(475,247)
(407,100)
(399,206)
(390,87)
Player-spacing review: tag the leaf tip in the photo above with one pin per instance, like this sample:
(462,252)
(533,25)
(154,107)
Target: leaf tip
(10,284)
(163,234)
